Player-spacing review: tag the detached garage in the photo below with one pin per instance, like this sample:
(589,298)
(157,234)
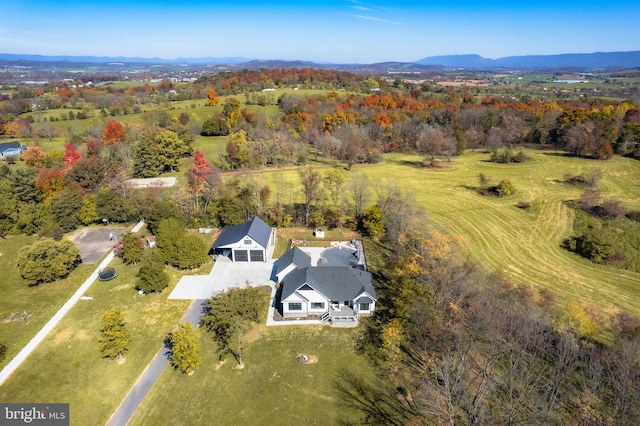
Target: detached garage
(252,241)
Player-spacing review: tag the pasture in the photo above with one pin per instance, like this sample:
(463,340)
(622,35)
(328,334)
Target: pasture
(523,244)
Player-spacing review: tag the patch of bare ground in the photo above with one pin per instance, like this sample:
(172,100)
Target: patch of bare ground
(63,336)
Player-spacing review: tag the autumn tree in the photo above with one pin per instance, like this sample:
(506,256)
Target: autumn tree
(114,334)
(433,143)
(114,133)
(212,97)
(333,181)
(238,150)
(50,180)
(359,191)
(88,213)
(231,111)
(184,348)
(202,179)
(34,156)
(372,221)
(71,155)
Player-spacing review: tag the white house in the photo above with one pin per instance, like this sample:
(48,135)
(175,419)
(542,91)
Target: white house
(11,149)
(336,294)
(252,241)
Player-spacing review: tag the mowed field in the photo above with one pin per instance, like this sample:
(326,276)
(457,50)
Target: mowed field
(526,245)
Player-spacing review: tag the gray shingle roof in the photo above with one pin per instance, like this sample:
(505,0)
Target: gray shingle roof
(255,228)
(294,256)
(8,145)
(334,282)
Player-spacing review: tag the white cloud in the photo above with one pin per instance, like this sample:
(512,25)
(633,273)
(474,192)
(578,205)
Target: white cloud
(373,18)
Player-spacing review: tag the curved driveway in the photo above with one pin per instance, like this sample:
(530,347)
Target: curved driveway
(151,374)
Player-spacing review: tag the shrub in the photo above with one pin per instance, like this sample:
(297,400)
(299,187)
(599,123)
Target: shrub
(504,188)
(47,260)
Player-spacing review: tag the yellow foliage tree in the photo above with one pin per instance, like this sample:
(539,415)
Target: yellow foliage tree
(212,97)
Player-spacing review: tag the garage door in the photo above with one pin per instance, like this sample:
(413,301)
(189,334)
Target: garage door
(257,256)
(240,255)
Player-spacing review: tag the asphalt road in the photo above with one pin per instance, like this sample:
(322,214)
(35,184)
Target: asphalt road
(151,374)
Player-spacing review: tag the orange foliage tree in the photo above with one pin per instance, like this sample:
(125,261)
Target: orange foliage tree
(34,156)
(50,180)
(113,133)
(212,97)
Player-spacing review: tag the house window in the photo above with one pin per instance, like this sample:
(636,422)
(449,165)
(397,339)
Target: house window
(317,305)
(295,306)
(364,307)
(247,242)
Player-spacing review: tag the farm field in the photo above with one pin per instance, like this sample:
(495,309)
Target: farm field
(524,245)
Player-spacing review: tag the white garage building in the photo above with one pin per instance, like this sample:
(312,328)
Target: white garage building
(252,241)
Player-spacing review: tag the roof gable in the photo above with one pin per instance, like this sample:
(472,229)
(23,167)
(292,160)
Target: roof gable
(294,256)
(255,228)
(333,282)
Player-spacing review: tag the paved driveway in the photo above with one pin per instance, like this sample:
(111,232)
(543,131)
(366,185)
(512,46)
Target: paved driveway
(93,243)
(225,274)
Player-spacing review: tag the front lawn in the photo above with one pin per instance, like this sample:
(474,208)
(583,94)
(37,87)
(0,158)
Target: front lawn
(273,388)
(67,366)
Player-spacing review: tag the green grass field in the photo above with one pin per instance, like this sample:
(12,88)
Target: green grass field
(40,302)
(271,389)
(67,366)
(525,245)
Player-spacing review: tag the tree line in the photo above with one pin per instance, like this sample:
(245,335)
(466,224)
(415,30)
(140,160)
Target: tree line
(453,345)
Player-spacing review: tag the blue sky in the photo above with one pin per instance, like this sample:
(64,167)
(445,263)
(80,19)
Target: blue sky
(345,31)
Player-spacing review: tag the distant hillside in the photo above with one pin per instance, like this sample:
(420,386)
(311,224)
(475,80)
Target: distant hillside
(569,60)
(10,57)
(577,60)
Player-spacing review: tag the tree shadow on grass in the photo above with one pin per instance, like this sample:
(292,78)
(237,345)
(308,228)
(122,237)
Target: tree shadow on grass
(416,163)
(376,400)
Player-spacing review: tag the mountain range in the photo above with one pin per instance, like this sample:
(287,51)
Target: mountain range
(569,60)
(577,60)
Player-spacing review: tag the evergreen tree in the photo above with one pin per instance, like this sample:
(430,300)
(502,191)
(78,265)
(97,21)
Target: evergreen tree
(192,253)
(152,277)
(131,251)
(146,163)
